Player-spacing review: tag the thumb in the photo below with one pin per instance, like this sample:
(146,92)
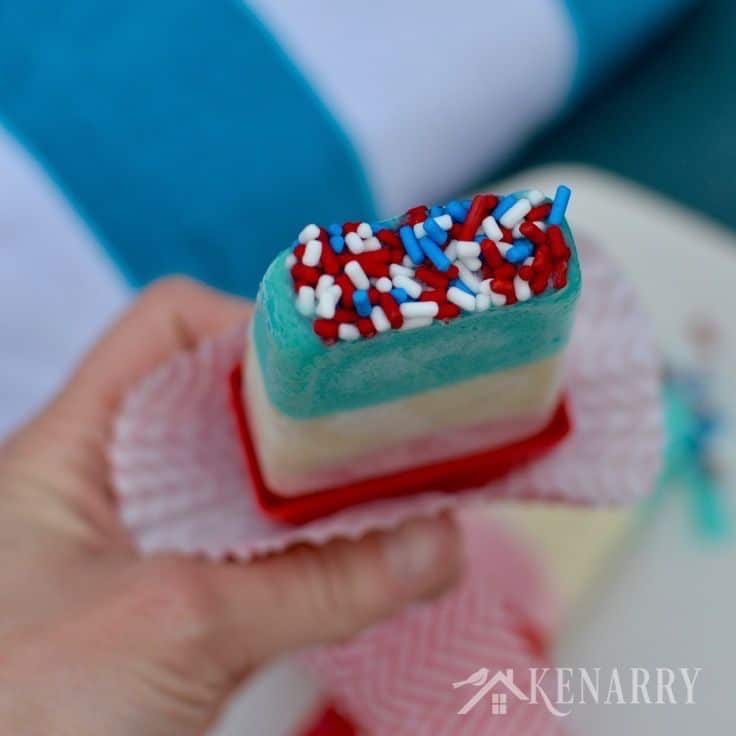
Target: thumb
(163,653)
(239,616)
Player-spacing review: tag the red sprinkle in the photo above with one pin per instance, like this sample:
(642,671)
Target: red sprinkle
(434,295)
(448,310)
(308,275)
(539,213)
(539,283)
(374,296)
(326,329)
(533,233)
(416,214)
(391,307)
(432,278)
(501,286)
(505,272)
(507,236)
(345,316)
(526,273)
(476,214)
(491,253)
(348,289)
(366,328)
(557,244)
(390,238)
(330,262)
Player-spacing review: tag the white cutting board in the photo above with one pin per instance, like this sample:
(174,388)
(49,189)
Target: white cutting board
(662,596)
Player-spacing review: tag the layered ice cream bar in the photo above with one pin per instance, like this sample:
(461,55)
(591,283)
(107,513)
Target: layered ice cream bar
(380,347)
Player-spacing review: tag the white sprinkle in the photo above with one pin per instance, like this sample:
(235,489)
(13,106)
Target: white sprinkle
(410,310)
(491,229)
(348,332)
(384,284)
(325,282)
(541,225)
(522,290)
(461,298)
(372,243)
(535,197)
(354,243)
(474,264)
(516,232)
(517,213)
(356,274)
(328,302)
(444,221)
(305,301)
(407,262)
(482,302)
(312,253)
(468,277)
(310,232)
(467,248)
(451,250)
(364,230)
(411,287)
(504,247)
(380,320)
(528,261)
(396,269)
(291,260)
(419,230)
(415,322)
(485,287)
(498,300)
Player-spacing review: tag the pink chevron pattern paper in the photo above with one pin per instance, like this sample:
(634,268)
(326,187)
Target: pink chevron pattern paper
(183,486)
(397,678)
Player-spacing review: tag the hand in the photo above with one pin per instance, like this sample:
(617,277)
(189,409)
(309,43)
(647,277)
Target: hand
(95,639)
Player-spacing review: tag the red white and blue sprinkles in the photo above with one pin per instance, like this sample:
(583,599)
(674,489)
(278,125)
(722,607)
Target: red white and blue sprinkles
(357,280)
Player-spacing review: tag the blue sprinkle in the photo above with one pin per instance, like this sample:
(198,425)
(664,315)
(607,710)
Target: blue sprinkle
(400,295)
(338,243)
(504,206)
(376,226)
(466,203)
(362,303)
(457,211)
(435,231)
(436,210)
(334,229)
(480,238)
(559,205)
(435,254)
(519,251)
(411,245)
(462,285)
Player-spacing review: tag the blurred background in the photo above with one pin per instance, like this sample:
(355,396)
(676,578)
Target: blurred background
(142,139)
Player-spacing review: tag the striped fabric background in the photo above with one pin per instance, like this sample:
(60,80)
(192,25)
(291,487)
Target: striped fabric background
(139,139)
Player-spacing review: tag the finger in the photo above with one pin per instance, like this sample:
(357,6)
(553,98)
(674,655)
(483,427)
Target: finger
(243,615)
(172,315)
(65,447)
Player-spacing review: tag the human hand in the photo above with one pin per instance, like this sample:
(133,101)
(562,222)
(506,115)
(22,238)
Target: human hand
(95,638)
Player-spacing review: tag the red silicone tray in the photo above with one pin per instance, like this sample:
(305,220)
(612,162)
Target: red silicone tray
(451,476)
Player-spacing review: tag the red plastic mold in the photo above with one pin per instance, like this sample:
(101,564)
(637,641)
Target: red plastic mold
(451,476)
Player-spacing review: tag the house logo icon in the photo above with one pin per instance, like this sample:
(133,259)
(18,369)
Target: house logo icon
(498,687)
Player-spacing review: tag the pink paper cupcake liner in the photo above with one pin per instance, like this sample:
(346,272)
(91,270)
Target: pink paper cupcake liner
(183,485)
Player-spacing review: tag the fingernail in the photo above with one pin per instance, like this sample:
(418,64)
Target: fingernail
(418,551)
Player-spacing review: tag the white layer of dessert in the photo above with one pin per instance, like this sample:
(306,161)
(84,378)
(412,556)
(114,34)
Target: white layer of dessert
(299,456)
